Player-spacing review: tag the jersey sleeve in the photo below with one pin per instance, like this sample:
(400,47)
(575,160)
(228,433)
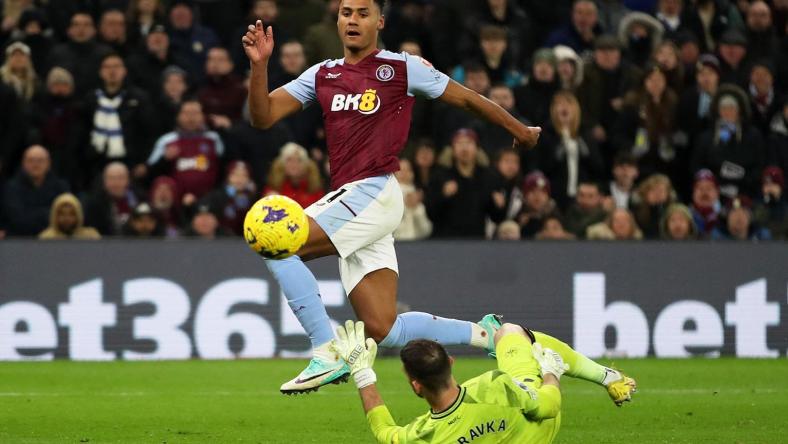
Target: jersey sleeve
(303,87)
(383,427)
(424,79)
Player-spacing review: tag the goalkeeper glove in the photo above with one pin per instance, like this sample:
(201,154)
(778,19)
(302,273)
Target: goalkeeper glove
(550,361)
(359,352)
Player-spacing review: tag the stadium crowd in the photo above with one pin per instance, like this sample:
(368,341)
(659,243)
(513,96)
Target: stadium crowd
(662,119)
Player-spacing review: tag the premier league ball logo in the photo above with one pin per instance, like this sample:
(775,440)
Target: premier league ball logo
(384,73)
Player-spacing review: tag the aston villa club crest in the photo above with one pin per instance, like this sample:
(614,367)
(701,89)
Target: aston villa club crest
(384,73)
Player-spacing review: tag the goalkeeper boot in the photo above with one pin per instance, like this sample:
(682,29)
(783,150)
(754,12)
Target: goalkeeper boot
(318,373)
(491,323)
(621,386)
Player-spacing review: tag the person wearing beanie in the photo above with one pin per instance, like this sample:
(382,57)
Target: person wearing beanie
(533,99)
(705,205)
(537,205)
(34,31)
(732,52)
(733,149)
(771,208)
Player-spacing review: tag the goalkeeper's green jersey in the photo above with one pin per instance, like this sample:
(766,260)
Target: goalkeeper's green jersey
(491,408)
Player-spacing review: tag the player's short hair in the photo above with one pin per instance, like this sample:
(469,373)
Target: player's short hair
(381,4)
(428,363)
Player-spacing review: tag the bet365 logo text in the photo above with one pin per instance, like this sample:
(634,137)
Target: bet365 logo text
(366,103)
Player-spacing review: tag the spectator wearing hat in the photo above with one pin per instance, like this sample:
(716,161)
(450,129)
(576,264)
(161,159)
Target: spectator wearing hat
(112,31)
(67,222)
(565,153)
(640,34)
(163,198)
(189,40)
(569,68)
(533,99)
(54,117)
(619,225)
(295,175)
(143,223)
(771,208)
(81,55)
(778,139)
(142,16)
(732,52)
(28,196)
(739,224)
(586,210)
(694,112)
(231,201)
(733,148)
(677,224)
(764,100)
(652,197)
(460,198)
(415,225)
(147,64)
(18,73)
(222,93)
(110,203)
(705,205)
(33,30)
(625,172)
(537,205)
(709,19)
(605,82)
(646,125)
(762,41)
(119,121)
(580,32)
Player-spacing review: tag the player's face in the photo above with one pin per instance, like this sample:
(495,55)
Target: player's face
(358,23)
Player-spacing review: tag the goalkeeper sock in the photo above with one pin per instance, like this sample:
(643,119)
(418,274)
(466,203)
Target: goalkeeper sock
(300,288)
(417,325)
(579,365)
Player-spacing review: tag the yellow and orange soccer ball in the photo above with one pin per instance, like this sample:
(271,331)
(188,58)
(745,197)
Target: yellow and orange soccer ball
(276,227)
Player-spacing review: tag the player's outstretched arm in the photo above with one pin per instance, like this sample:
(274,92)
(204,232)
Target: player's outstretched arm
(464,98)
(265,109)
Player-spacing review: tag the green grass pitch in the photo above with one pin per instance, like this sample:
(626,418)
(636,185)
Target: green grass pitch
(680,401)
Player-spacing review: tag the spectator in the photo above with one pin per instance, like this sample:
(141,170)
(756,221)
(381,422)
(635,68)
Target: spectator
(507,15)
(537,206)
(66,220)
(619,225)
(706,205)
(694,113)
(109,206)
(295,175)
(612,13)
(667,57)
(764,102)
(646,125)
(55,115)
(587,209)
(449,119)
(709,19)
(654,195)
(18,73)
(733,149)
(461,197)
(640,34)
(143,223)
(164,201)
(293,62)
(671,14)
(493,137)
(34,31)
(189,40)
(142,17)
(580,33)
(81,55)
(733,58)
(321,41)
(205,225)
(533,99)
(147,64)
(761,36)
(508,230)
(415,224)
(191,154)
(569,67)
(268,12)
(605,82)
(112,31)
(677,224)
(778,139)
(119,119)
(222,94)
(494,58)
(406,20)
(553,229)
(30,193)
(546,16)
(625,173)
(739,224)
(13,128)
(169,98)
(231,202)
(424,163)
(507,172)
(771,209)
(567,155)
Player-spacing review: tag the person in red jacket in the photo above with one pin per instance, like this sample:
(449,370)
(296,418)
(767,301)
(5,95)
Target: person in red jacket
(295,175)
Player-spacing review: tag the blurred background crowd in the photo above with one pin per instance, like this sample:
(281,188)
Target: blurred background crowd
(663,119)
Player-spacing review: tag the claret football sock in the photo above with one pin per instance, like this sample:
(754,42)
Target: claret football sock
(417,325)
(301,291)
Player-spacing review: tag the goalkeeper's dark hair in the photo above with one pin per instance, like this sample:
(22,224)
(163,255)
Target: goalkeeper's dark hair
(428,363)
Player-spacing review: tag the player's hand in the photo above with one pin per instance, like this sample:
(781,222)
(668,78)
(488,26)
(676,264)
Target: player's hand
(550,361)
(527,136)
(258,43)
(359,352)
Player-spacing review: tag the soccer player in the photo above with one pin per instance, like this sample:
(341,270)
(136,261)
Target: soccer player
(520,402)
(366,99)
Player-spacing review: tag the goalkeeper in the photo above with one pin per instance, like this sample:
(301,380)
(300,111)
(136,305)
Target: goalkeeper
(520,402)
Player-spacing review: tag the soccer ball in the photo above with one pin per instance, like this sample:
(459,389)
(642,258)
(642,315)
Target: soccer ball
(276,227)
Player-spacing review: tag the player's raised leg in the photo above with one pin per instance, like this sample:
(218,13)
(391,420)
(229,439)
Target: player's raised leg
(619,386)
(300,288)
